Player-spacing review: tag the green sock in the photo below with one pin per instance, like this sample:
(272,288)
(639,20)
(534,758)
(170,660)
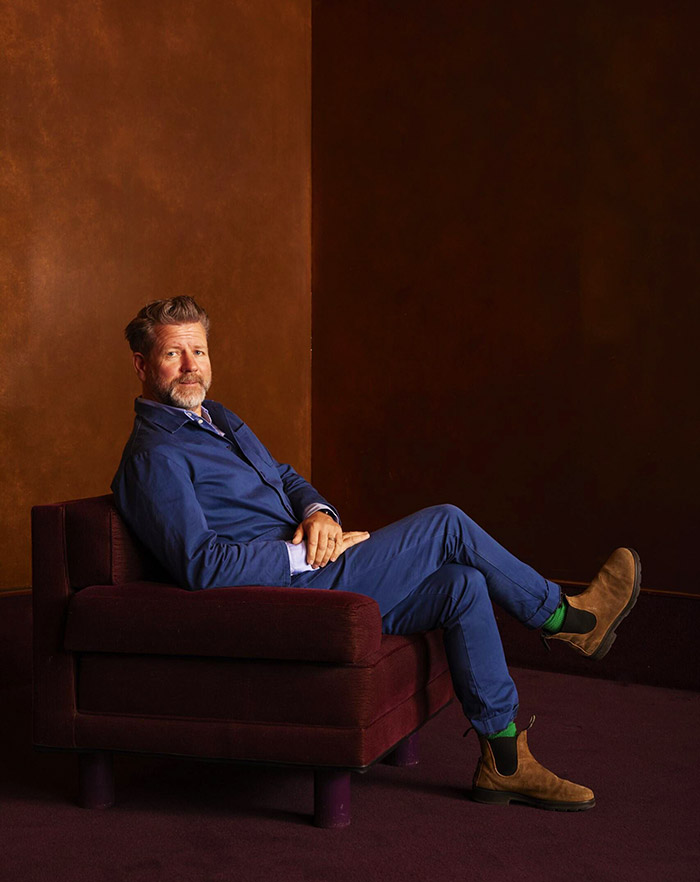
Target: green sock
(509,732)
(556,620)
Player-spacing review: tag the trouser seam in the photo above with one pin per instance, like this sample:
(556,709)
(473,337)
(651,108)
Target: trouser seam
(500,571)
(475,690)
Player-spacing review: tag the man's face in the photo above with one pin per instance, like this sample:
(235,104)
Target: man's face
(177,370)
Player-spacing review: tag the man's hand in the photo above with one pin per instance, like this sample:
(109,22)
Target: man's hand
(325,539)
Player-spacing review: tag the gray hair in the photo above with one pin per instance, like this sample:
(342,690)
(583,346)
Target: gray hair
(174,311)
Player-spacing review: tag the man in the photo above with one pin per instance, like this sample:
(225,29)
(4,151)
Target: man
(217,509)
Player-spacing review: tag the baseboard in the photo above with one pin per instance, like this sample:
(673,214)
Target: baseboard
(656,645)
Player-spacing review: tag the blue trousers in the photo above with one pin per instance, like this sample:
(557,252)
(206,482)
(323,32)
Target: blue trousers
(438,569)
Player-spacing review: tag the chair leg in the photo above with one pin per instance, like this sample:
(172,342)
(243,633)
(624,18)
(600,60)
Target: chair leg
(405,753)
(96,779)
(331,798)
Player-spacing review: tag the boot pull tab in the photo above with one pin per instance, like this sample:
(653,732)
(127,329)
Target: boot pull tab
(470,729)
(530,724)
(545,642)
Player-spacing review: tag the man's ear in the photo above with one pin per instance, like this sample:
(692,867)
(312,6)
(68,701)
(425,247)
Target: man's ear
(140,365)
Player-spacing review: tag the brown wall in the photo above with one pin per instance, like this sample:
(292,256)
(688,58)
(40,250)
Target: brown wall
(505,231)
(154,149)
(505,272)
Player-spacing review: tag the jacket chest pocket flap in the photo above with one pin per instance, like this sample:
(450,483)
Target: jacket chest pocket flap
(258,455)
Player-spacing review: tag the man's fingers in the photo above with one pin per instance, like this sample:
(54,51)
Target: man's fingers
(337,547)
(311,545)
(354,537)
(321,549)
(349,539)
(329,538)
(323,535)
(325,541)
(330,548)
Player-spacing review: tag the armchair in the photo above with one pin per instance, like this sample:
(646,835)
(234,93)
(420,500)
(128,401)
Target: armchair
(126,661)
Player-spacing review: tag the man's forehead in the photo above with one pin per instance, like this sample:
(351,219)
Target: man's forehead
(169,335)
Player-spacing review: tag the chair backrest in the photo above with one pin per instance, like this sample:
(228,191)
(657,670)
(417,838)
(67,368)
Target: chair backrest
(74,545)
(100,548)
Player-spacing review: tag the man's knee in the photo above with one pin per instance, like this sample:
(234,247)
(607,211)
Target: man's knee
(463,588)
(448,515)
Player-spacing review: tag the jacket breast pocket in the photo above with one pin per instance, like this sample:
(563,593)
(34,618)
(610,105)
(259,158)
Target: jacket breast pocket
(256,452)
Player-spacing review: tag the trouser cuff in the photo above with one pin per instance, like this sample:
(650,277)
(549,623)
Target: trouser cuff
(551,601)
(495,724)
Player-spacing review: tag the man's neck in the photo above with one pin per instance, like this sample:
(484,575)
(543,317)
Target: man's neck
(197,410)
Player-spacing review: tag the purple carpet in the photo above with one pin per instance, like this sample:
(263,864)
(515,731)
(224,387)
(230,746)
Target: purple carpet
(185,821)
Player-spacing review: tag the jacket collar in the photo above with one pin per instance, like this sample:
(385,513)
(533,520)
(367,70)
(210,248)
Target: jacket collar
(169,418)
(173,418)
(222,416)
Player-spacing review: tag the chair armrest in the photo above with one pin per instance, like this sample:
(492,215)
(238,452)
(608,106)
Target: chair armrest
(301,624)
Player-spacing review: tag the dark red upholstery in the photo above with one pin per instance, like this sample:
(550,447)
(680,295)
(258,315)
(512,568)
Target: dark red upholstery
(280,623)
(123,660)
(101,550)
(245,690)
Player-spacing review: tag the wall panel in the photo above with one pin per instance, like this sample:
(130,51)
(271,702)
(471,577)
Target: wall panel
(149,150)
(505,274)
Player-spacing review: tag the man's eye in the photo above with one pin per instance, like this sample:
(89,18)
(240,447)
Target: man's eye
(199,352)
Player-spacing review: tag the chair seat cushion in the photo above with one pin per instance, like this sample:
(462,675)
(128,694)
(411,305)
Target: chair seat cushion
(152,618)
(262,691)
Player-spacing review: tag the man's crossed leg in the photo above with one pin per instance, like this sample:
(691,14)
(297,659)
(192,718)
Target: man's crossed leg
(438,569)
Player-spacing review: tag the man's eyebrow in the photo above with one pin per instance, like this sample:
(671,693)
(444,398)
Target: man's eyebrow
(167,347)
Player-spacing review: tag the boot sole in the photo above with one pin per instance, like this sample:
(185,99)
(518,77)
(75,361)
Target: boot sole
(608,640)
(505,797)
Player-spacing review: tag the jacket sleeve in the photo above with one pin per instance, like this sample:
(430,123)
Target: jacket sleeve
(156,498)
(300,493)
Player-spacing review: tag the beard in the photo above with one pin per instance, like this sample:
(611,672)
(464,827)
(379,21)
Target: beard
(182,392)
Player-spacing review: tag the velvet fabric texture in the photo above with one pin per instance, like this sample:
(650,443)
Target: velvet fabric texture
(247,690)
(262,674)
(100,549)
(257,622)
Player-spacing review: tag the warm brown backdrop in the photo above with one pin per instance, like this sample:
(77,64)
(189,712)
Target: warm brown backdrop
(505,306)
(152,149)
(505,272)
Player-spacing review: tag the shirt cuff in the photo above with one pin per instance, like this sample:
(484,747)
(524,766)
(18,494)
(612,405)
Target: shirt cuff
(320,506)
(297,557)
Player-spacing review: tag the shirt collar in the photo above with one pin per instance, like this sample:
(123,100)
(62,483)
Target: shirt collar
(170,418)
(173,418)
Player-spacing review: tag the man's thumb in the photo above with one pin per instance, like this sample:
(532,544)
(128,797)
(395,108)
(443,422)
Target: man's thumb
(298,535)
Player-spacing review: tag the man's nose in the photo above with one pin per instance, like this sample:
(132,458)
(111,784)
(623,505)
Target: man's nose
(188,362)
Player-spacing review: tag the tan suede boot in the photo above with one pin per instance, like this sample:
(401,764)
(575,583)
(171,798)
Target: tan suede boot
(609,598)
(530,783)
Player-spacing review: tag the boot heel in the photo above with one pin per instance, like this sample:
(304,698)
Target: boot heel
(604,647)
(490,797)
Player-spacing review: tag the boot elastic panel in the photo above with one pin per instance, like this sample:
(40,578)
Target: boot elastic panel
(505,754)
(577,621)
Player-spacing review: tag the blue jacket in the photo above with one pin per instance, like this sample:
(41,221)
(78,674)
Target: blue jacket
(215,511)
